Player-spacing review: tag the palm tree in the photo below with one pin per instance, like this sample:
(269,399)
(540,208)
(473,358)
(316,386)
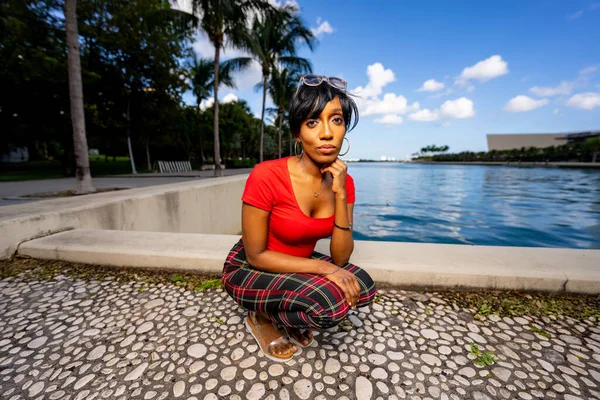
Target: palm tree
(273,40)
(83,176)
(221,18)
(202,76)
(281,88)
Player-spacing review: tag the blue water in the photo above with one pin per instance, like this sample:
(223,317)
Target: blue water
(480,205)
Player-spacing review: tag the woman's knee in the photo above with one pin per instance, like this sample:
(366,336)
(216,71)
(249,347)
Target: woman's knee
(368,290)
(331,307)
(331,316)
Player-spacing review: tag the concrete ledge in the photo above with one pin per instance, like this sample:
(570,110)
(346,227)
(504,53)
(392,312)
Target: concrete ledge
(203,206)
(401,264)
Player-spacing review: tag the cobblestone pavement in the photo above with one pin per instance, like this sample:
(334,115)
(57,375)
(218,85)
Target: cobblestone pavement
(68,338)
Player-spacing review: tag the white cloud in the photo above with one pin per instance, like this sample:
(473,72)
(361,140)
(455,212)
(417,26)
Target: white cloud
(431,86)
(322,29)
(446,124)
(575,15)
(438,95)
(280,4)
(378,78)
(455,109)
(485,70)
(459,108)
(424,115)
(229,98)
(588,70)
(208,103)
(543,91)
(389,104)
(524,103)
(390,119)
(586,101)
(595,6)
(556,111)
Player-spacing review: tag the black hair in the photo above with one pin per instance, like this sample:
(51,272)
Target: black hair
(310,101)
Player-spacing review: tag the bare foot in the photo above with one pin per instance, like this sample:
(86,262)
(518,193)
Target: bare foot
(275,346)
(302,336)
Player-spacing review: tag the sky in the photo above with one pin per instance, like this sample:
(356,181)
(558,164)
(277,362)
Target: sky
(450,72)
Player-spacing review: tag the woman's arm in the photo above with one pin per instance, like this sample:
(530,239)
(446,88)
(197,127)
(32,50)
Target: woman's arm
(342,243)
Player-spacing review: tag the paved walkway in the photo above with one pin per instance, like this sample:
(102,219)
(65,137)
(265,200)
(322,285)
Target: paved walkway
(9,191)
(68,338)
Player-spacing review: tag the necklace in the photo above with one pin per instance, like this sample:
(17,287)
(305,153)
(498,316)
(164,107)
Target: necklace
(307,178)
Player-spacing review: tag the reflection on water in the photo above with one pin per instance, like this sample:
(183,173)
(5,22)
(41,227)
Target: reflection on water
(496,206)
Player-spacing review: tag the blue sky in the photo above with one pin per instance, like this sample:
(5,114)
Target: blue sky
(449,72)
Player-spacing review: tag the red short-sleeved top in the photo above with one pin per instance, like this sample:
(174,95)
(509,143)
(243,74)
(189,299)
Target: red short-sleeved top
(291,231)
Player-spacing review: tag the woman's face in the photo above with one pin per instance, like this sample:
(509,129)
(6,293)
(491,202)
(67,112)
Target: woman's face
(322,137)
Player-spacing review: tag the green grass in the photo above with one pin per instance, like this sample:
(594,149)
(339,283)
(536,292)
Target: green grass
(211,284)
(30,268)
(540,332)
(35,170)
(516,304)
(482,359)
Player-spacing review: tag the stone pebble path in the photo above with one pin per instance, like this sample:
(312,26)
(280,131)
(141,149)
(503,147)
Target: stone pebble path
(71,339)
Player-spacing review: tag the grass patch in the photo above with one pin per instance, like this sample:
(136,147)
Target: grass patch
(35,170)
(210,284)
(482,359)
(540,332)
(516,304)
(34,269)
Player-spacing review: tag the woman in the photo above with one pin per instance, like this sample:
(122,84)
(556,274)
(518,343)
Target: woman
(288,205)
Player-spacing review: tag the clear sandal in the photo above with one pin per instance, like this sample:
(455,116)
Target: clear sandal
(263,336)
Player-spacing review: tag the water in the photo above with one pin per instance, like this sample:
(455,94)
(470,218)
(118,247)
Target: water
(478,205)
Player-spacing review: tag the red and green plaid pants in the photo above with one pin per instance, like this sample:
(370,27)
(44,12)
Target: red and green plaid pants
(295,300)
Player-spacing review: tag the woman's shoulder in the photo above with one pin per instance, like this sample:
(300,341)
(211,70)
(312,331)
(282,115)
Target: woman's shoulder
(269,167)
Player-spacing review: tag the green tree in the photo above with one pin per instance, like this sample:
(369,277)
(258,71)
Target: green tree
(281,88)
(202,80)
(221,19)
(273,40)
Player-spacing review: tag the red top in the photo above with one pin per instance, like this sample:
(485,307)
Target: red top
(269,187)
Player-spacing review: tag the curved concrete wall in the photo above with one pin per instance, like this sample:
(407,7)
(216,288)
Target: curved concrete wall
(210,206)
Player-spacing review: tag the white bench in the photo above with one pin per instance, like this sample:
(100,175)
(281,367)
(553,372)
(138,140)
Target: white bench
(170,167)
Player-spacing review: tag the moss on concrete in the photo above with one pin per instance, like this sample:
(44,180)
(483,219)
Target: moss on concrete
(482,303)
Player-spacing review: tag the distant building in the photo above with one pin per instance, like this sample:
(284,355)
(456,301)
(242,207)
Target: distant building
(538,140)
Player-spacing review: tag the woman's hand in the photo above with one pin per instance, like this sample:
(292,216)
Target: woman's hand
(347,282)
(338,171)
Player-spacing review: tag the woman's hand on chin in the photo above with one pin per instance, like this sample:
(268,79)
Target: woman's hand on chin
(338,170)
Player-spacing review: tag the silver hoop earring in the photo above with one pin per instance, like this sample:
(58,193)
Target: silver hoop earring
(296,150)
(346,152)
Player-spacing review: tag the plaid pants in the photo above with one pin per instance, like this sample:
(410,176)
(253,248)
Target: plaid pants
(295,300)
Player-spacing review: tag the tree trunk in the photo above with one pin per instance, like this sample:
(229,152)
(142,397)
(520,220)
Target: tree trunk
(218,168)
(133,171)
(148,161)
(200,134)
(280,124)
(262,116)
(83,176)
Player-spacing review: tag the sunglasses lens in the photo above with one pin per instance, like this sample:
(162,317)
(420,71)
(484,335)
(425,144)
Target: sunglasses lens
(337,83)
(312,80)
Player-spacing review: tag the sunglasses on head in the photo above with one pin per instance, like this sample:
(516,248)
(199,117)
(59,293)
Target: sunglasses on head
(316,80)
